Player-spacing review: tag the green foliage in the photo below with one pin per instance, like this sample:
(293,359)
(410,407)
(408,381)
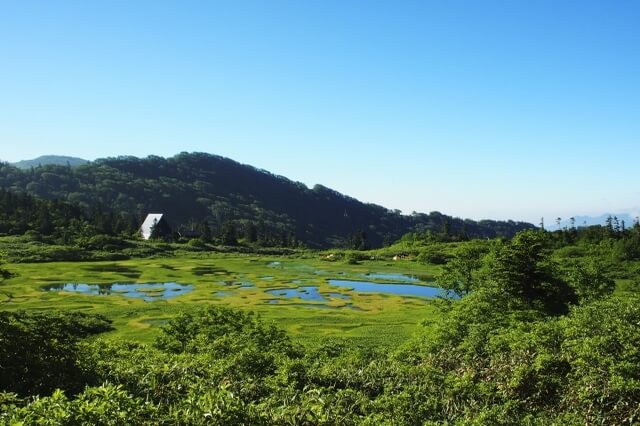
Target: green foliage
(104,243)
(433,254)
(103,405)
(615,241)
(518,348)
(481,363)
(461,274)
(205,232)
(628,248)
(196,243)
(160,231)
(229,235)
(588,279)
(216,329)
(513,367)
(353,257)
(39,352)
(602,343)
(358,241)
(61,221)
(522,268)
(4,274)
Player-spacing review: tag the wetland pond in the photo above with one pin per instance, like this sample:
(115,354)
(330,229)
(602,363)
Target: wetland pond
(400,288)
(405,285)
(392,277)
(304,293)
(145,291)
(413,290)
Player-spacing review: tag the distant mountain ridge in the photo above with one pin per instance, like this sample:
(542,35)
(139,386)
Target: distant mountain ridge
(44,160)
(581,221)
(193,187)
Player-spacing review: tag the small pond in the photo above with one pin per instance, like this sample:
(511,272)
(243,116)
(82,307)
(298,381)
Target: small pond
(304,293)
(238,284)
(392,277)
(396,289)
(144,291)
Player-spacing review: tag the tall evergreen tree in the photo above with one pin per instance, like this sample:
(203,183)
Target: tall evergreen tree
(251,232)
(523,269)
(609,224)
(229,235)
(155,231)
(205,232)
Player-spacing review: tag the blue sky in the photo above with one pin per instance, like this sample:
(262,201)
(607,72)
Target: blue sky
(480,109)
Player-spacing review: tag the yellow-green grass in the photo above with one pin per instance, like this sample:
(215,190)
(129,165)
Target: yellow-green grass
(368,319)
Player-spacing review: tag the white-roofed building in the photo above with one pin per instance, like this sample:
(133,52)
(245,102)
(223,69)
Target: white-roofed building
(154,220)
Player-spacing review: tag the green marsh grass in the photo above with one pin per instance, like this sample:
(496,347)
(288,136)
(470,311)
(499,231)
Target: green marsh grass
(233,280)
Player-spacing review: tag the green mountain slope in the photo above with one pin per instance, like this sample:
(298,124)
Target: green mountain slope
(191,187)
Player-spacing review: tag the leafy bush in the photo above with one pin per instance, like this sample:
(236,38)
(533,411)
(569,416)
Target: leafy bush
(589,281)
(434,255)
(39,351)
(485,361)
(104,405)
(216,328)
(628,249)
(104,242)
(570,252)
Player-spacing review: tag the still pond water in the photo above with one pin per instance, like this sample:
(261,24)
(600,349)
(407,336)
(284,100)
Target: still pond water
(166,290)
(144,291)
(304,293)
(396,289)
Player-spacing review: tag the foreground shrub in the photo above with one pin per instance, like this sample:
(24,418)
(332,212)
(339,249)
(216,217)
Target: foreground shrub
(39,352)
(481,363)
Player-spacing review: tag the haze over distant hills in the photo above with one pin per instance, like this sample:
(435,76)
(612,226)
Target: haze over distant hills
(192,187)
(59,160)
(579,221)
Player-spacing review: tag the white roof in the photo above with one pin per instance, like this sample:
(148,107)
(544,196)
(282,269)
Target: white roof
(147,225)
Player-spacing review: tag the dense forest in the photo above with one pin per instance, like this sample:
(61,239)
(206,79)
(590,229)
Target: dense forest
(196,190)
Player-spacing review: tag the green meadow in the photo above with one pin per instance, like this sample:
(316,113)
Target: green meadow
(233,280)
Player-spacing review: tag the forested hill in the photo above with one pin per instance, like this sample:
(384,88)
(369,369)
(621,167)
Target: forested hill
(192,187)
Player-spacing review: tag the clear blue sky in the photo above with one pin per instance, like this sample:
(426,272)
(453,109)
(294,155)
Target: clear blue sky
(481,109)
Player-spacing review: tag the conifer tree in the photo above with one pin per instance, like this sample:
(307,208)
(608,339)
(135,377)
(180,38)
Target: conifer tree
(155,231)
(205,230)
